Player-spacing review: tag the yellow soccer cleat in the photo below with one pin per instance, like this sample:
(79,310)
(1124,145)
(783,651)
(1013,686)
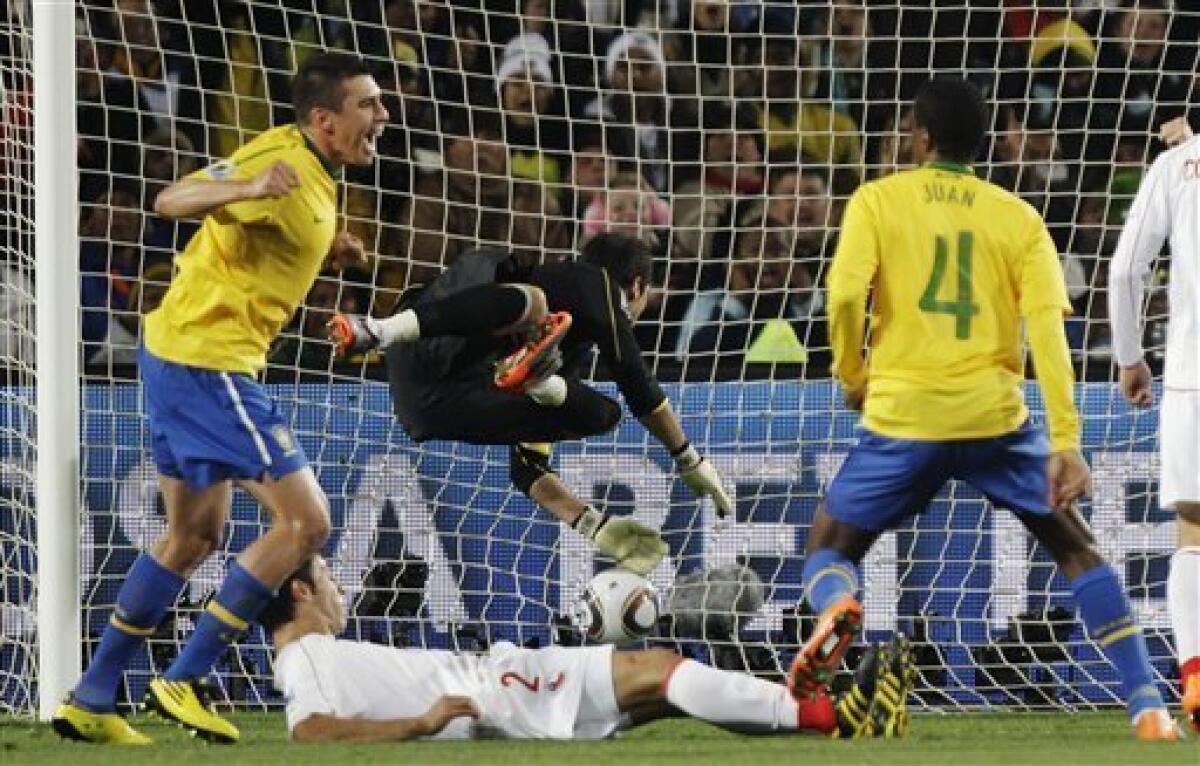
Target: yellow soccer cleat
(71,721)
(185,703)
(889,705)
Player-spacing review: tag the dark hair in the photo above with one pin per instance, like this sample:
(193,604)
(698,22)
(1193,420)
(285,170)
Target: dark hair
(952,110)
(319,81)
(625,258)
(281,609)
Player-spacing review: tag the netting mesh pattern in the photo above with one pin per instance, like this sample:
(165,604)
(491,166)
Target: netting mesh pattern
(729,136)
(18,581)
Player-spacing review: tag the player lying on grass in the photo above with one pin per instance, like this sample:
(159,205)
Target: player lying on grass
(269,227)
(1167,208)
(957,270)
(454,374)
(355,691)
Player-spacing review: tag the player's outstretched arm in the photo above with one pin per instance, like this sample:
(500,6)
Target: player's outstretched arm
(193,197)
(699,474)
(327,728)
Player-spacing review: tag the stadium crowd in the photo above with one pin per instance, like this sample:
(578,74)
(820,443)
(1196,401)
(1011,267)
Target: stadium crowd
(727,135)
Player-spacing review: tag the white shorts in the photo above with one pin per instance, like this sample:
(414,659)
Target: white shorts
(1179,448)
(553,693)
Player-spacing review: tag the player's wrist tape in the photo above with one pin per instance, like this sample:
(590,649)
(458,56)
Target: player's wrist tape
(589,523)
(686,457)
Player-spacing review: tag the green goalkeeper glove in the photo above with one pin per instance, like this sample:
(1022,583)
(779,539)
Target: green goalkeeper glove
(631,544)
(702,478)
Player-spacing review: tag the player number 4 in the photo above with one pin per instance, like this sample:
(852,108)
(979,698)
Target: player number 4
(961,308)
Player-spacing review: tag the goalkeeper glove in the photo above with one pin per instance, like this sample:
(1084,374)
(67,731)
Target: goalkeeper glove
(700,476)
(631,544)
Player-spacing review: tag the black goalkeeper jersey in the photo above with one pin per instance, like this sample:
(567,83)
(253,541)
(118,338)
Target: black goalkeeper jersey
(600,321)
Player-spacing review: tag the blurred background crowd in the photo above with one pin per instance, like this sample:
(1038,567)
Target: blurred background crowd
(728,135)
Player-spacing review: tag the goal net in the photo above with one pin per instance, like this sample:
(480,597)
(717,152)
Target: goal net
(729,136)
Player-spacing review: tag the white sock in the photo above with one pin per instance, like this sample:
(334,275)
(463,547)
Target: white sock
(733,701)
(399,328)
(1183,598)
(551,392)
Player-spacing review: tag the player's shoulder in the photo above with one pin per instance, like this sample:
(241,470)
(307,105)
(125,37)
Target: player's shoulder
(283,139)
(1179,162)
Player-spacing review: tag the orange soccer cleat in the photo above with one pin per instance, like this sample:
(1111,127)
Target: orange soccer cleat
(1156,725)
(535,360)
(818,659)
(1191,701)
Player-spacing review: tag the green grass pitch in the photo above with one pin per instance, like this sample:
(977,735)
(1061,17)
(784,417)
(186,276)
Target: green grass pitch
(961,739)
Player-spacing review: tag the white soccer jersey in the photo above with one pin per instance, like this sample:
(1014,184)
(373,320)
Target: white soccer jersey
(1167,207)
(555,693)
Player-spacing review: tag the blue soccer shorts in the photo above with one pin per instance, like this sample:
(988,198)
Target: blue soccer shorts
(207,426)
(885,480)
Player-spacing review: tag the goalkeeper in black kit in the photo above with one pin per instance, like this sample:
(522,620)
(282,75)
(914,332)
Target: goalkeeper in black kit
(457,373)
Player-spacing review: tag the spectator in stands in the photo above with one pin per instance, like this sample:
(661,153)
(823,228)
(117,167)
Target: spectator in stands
(110,259)
(120,345)
(1137,83)
(764,284)
(731,165)
(1028,162)
(792,118)
(596,150)
(535,128)
(854,77)
(469,200)
(1062,58)
(635,95)
(629,206)
(710,55)
(800,197)
(164,76)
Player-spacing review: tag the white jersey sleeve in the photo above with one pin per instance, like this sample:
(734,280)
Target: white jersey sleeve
(1167,207)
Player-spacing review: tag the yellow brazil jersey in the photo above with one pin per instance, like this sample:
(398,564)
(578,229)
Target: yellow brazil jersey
(245,271)
(952,264)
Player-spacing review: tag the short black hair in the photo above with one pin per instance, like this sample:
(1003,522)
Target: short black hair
(318,83)
(625,258)
(953,111)
(281,609)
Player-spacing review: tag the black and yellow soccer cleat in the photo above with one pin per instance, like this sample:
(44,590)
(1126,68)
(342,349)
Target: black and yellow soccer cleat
(187,704)
(893,684)
(72,721)
(854,707)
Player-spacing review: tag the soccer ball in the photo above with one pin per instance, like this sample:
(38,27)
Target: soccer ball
(619,607)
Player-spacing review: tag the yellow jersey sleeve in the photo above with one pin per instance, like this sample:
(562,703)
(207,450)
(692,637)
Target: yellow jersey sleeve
(854,265)
(1042,284)
(244,168)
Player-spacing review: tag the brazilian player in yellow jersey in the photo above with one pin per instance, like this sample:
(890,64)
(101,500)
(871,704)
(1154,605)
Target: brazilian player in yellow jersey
(955,270)
(269,227)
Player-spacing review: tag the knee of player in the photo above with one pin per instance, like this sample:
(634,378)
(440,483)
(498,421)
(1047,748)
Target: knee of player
(184,550)
(609,416)
(644,675)
(1081,557)
(309,530)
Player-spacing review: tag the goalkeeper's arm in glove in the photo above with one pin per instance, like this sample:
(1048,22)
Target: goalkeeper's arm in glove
(699,474)
(631,544)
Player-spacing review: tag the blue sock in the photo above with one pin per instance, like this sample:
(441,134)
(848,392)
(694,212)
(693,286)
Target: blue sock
(1110,622)
(149,590)
(828,575)
(227,616)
